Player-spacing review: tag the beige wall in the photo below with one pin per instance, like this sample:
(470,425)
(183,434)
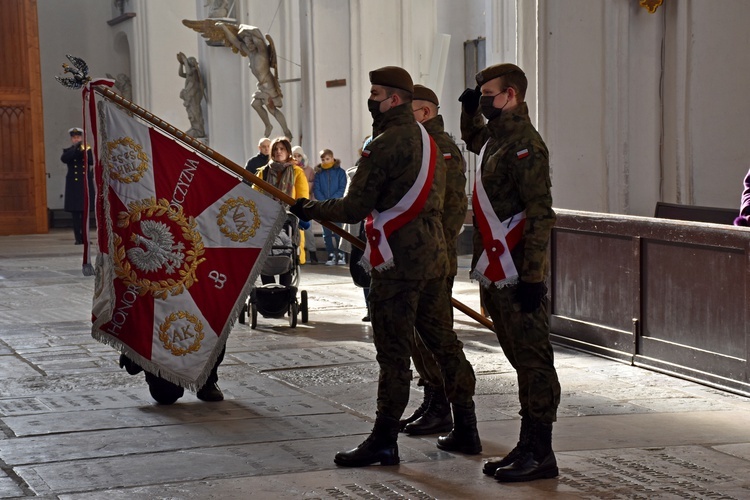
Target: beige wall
(626,126)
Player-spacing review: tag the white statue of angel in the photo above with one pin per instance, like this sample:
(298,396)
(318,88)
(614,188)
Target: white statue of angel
(249,42)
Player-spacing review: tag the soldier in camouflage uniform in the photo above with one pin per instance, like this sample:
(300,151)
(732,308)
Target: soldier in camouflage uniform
(515,175)
(408,290)
(434,414)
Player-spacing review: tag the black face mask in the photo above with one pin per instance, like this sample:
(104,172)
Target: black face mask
(488,110)
(374,107)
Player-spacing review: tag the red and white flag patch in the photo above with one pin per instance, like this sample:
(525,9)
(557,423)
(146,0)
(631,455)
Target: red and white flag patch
(366,153)
(522,154)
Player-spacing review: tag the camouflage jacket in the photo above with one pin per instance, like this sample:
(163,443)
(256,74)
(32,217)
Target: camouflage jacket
(515,173)
(386,170)
(455,206)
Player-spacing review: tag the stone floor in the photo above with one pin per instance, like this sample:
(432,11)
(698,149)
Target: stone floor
(75,426)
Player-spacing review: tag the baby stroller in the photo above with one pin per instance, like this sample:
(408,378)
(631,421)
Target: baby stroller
(275,300)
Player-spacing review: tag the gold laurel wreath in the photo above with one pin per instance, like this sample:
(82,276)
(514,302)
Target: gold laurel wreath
(177,350)
(234,203)
(142,167)
(163,288)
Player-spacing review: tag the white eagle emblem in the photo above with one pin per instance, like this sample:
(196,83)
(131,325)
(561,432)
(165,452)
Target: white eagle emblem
(160,250)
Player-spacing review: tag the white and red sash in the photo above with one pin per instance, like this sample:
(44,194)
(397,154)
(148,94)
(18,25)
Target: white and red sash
(495,265)
(380,225)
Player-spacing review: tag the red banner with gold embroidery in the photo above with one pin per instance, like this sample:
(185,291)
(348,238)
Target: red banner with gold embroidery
(181,241)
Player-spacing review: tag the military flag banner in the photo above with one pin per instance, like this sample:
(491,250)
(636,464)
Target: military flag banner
(181,242)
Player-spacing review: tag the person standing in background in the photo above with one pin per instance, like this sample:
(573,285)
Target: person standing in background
(282,173)
(330,183)
(300,159)
(76,158)
(259,160)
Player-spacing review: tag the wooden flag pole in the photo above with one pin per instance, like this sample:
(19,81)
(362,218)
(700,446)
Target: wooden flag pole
(229,164)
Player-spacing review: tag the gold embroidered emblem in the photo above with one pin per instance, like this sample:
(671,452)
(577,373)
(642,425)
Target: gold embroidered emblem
(238,219)
(126,159)
(154,248)
(181,333)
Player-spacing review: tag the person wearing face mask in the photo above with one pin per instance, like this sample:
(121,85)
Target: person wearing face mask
(434,414)
(283,174)
(399,187)
(512,204)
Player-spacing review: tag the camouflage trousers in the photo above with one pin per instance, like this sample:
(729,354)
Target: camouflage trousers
(524,338)
(424,362)
(396,308)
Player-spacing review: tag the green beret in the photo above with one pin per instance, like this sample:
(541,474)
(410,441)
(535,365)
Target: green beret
(392,76)
(422,93)
(497,71)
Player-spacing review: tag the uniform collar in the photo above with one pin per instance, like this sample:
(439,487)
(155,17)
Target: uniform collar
(434,125)
(400,115)
(509,120)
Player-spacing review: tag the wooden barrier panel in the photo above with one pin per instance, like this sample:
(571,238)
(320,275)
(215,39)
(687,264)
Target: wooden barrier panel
(666,294)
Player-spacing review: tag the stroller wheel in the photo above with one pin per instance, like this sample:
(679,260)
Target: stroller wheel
(253,316)
(303,305)
(243,314)
(293,309)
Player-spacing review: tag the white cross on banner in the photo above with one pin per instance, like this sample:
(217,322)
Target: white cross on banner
(181,242)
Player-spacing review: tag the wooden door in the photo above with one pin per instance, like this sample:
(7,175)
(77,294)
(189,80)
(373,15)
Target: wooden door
(23,194)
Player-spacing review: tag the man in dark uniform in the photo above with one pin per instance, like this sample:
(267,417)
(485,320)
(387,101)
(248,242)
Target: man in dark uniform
(512,205)
(400,190)
(74,157)
(434,414)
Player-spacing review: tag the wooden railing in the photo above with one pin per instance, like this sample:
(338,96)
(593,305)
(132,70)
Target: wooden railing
(665,294)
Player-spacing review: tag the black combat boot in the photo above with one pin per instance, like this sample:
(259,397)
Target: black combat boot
(428,391)
(210,390)
(380,446)
(163,391)
(491,465)
(537,462)
(464,438)
(437,417)
(129,365)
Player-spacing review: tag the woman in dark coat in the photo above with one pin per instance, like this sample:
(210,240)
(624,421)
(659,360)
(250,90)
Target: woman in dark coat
(74,187)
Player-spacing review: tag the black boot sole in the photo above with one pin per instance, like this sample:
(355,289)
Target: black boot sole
(384,459)
(542,474)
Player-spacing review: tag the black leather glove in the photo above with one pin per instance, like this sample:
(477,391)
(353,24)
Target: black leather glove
(298,209)
(470,99)
(530,295)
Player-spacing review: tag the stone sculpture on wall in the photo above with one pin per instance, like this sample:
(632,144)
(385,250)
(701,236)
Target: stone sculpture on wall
(261,52)
(219,8)
(123,85)
(192,94)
